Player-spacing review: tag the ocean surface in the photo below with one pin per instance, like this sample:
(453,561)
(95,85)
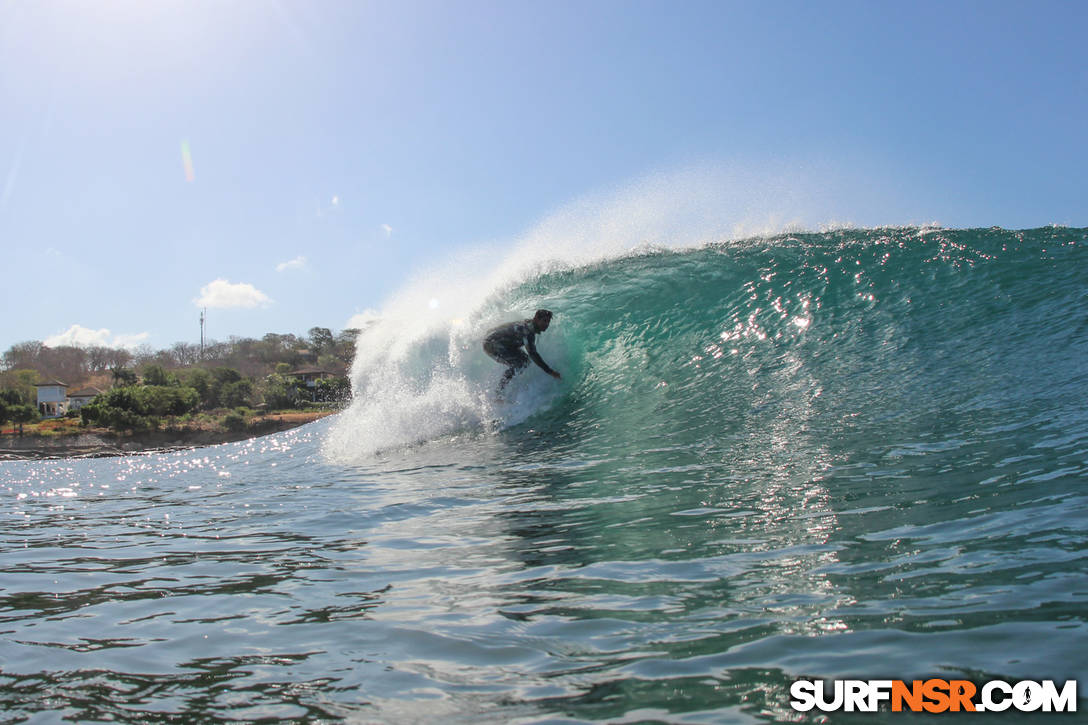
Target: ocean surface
(856,453)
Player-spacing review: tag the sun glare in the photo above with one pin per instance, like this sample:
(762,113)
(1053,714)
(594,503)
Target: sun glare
(120,48)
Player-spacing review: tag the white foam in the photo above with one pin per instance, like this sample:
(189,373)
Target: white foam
(419,372)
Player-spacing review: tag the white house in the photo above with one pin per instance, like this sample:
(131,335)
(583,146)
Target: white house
(52,399)
(310,376)
(80,398)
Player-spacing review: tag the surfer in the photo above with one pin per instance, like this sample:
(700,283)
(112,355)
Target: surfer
(503,344)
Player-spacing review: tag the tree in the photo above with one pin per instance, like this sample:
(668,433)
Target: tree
(234,421)
(23,414)
(157,375)
(321,340)
(345,344)
(64,362)
(144,354)
(156,400)
(18,386)
(124,377)
(100,358)
(139,407)
(199,380)
(227,389)
(185,354)
(272,347)
(279,392)
(236,394)
(23,355)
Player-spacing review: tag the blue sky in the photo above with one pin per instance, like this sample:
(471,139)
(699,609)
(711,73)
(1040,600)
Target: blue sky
(290,164)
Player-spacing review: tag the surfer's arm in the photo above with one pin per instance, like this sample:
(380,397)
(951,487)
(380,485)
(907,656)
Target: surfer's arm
(530,347)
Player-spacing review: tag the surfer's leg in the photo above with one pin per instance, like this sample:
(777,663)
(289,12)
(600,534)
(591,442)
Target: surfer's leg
(517,360)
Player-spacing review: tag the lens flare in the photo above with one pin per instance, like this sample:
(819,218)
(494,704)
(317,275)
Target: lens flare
(187,162)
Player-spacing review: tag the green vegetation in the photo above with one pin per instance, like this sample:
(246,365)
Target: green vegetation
(16,406)
(13,409)
(147,389)
(139,407)
(251,357)
(235,420)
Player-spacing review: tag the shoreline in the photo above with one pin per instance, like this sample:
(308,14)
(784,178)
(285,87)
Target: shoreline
(101,443)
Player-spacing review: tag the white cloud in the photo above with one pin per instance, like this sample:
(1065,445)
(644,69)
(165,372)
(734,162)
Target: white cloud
(80,336)
(223,294)
(330,207)
(387,229)
(130,342)
(298,262)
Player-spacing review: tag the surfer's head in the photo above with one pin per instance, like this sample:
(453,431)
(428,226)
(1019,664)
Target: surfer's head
(542,319)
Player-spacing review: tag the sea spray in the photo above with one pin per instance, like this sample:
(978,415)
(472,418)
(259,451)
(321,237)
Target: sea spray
(419,372)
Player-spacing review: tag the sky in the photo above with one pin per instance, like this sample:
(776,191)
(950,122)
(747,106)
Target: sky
(289,164)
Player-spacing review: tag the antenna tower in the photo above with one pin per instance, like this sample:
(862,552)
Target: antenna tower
(203,317)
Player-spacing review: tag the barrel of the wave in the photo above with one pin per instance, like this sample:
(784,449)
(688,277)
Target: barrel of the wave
(844,331)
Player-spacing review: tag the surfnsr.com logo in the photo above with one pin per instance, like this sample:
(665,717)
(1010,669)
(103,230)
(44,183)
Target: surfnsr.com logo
(933,695)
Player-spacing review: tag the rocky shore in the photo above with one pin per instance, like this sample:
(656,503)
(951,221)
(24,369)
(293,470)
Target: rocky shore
(98,443)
